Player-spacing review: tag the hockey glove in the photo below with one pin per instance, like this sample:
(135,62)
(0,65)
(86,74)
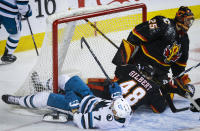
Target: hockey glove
(115,91)
(29,12)
(73,101)
(182,86)
(193,108)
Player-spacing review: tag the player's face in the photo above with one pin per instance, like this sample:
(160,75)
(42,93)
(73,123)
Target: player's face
(187,23)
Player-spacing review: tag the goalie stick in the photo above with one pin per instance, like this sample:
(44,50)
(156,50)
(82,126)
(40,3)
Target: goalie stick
(170,102)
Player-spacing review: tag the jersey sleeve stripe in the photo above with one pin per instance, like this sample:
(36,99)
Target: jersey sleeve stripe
(90,121)
(8,11)
(84,103)
(139,35)
(90,106)
(148,55)
(8,4)
(181,64)
(83,122)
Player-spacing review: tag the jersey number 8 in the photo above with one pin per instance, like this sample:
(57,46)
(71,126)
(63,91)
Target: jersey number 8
(132,96)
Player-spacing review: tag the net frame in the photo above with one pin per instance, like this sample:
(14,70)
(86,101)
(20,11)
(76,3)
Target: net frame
(86,15)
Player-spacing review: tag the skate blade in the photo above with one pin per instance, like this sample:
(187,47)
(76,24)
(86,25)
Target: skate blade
(4,63)
(60,118)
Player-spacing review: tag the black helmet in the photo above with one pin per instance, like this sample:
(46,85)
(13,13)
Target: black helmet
(184,18)
(146,71)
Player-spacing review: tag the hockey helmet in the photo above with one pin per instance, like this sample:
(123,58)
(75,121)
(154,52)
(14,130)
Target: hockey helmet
(146,71)
(121,108)
(184,19)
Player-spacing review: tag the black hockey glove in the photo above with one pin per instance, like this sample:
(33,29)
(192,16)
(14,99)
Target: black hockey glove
(193,108)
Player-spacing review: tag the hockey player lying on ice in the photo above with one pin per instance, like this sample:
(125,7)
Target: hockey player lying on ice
(135,82)
(87,110)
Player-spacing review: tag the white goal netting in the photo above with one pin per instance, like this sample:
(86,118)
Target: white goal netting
(115,22)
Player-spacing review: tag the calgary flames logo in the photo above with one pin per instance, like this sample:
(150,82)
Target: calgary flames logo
(172,53)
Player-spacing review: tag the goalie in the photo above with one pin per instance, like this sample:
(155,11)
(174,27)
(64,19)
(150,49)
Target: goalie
(87,110)
(163,43)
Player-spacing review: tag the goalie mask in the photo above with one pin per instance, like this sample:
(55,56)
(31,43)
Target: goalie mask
(184,19)
(146,71)
(121,108)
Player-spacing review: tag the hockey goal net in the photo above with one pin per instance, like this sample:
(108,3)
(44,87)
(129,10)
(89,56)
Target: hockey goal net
(61,51)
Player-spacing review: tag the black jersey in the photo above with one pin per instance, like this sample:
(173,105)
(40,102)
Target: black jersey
(137,90)
(160,45)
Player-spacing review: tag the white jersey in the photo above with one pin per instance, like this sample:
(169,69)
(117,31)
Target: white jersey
(96,113)
(12,8)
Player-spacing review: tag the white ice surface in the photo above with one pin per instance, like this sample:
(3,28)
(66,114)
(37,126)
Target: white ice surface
(13,75)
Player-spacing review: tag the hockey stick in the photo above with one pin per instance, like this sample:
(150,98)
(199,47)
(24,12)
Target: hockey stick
(186,71)
(172,106)
(94,56)
(169,101)
(32,36)
(97,29)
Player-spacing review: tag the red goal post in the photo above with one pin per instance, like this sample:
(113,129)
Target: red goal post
(85,16)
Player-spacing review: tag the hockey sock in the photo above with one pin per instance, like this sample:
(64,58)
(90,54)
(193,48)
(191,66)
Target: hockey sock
(38,100)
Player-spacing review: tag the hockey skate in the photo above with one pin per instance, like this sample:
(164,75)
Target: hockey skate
(9,99)
(7,58)
(55,117)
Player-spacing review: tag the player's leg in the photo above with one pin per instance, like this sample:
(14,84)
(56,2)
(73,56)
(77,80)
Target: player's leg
(78,86)
(37,100)
(44,100)
(157,102)
(13,27)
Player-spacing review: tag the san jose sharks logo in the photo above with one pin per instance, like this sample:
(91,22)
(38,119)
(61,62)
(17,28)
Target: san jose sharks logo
(172,53)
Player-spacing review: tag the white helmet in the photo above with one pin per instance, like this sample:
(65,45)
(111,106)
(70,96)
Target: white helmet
(121,108)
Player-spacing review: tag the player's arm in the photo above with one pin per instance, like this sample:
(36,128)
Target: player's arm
(84,121)
(140,35)
(115,91)
(24,8)
(148,31)
(179,66)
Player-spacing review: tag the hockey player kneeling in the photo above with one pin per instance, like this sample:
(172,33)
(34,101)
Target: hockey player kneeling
(138,87)
(87,110)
